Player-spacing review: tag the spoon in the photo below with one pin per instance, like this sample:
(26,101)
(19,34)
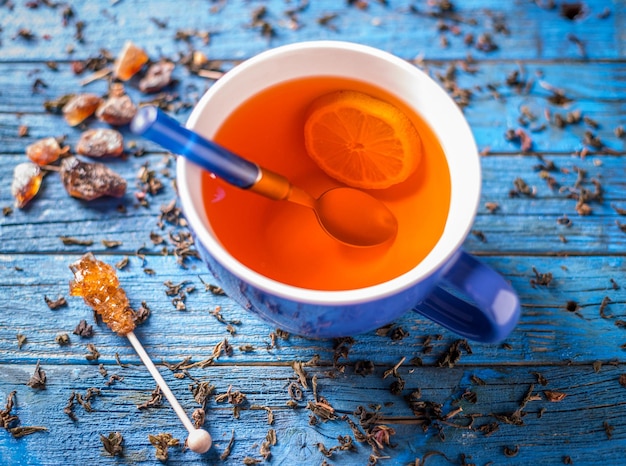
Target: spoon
(350,216)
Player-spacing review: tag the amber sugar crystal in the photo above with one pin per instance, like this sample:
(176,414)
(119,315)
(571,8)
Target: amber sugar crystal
(45,151)
(97,283)
(130,60)
(80,107)
(27,178)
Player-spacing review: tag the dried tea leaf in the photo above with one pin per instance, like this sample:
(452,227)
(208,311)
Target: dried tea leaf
(249,461)
(27,177)
(69,407)
(156,398)
(112,443)
(553,396)
(63,339)
(38,379)
(109,243)
(70,241)
(541,279)
(79,107)
(100,142)
(198,416)
(162,442)
(56,303)
(453,354)
(93,354)
(83,329)
(201,392)
(56,106)
(112,379)
(6,418)
(572,10)
(364,368)
(142,314)
(90,181)
(23,431)
(122,263)
(298,369)
(540,378)
(21,340)
(226,453)
(270,440)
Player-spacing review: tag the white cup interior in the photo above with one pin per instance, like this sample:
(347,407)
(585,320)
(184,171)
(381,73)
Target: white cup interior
(341,59)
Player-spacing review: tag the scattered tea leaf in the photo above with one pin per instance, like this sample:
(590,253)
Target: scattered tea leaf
(201,392)
(540,378)
(553,396)
(112,443)
(55,304)
(162,442)
(122,263)
(38,379)
(93,354)
(364,368)
(23,431)
(21,340)
(83,329)
(541,279)
(453,353)
(156,399)
(226,453)
(70,241)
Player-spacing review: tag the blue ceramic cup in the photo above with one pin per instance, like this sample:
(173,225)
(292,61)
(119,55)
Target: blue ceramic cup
(449,286)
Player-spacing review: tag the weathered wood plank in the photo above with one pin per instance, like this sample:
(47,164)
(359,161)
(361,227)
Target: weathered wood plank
(594,330)
(519,30)
(494,108)
(519,224)
(22,94)
(573,427)
(567,326)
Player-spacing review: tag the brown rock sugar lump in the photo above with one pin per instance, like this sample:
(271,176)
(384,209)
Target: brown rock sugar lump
(118,109)
(90,181)
(98,284)
(158,76)
(101,142)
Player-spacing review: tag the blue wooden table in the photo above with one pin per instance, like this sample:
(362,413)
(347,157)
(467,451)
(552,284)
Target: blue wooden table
(542,84)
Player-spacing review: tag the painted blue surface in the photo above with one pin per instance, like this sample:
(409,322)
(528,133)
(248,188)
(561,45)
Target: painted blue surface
(571,332)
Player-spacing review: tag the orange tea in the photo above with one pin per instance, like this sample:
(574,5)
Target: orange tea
(284,241)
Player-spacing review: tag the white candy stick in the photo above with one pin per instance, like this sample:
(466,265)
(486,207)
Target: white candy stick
(199,440)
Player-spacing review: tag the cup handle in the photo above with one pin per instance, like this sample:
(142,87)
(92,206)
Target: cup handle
(497,308)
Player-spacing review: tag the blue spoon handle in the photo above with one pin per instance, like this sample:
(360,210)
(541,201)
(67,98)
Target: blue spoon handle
(158,127)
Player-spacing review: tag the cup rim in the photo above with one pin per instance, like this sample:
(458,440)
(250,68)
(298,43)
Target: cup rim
(188,180)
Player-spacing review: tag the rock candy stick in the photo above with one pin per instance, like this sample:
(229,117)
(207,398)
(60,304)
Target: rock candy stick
(97,283)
